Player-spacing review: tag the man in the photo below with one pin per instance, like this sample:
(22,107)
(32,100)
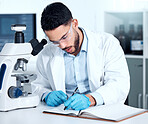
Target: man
(77,58)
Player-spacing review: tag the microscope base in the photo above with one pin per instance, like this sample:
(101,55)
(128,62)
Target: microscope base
(18,103)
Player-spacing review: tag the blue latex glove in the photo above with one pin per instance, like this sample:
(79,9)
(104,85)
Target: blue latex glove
(77,102)
(55,98)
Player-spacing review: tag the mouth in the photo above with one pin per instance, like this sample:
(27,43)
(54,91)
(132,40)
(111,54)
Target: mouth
(68,49)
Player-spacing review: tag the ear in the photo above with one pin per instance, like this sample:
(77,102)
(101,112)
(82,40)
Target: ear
(75,23)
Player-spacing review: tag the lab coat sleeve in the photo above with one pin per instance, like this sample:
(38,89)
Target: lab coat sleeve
(98,98)
(41,85)
(116,82)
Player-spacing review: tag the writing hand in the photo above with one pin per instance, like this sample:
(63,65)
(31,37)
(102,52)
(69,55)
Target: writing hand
(77,102)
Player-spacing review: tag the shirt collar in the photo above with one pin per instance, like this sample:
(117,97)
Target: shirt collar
(85,41)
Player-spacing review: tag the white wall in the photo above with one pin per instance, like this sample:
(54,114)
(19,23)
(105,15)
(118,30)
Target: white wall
(90,13)
(84,10)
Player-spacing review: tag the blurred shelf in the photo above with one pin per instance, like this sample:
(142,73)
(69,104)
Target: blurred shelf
(134,56)
(138,64)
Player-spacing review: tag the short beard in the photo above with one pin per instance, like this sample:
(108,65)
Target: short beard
(76,43)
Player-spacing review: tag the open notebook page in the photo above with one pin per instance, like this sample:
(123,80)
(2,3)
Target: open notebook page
(113,112)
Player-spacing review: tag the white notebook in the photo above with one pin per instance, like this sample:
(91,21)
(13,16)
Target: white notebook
(112,112)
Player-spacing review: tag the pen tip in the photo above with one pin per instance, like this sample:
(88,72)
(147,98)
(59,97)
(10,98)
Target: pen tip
(65,108)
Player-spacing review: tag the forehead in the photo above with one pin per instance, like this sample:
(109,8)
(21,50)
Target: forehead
(57,33)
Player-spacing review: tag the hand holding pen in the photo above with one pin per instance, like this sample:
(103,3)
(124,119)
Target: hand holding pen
(72,95)
(77,102)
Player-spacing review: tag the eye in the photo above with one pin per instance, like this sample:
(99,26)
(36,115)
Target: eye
(64,37)
(55,42)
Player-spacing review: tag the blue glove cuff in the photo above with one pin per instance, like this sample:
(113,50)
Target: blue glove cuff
(87,99)
(46,97)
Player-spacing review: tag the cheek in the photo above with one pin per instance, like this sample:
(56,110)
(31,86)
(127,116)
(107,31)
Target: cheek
(73,40)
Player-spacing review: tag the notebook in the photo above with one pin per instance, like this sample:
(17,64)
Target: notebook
(113,112)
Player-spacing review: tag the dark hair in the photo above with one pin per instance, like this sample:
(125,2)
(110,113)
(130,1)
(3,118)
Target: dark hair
(54,15)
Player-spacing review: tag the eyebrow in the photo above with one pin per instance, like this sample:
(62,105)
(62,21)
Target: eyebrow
(61,37)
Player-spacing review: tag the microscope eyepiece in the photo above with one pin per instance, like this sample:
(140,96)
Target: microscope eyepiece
(37,47)
(44,42)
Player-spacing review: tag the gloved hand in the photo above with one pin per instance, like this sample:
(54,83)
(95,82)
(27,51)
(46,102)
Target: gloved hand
(55,98)
(77,102)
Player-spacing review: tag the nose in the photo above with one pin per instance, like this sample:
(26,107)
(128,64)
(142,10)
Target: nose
(62,45)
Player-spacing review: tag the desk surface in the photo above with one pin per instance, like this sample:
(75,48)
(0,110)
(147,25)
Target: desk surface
(35,116)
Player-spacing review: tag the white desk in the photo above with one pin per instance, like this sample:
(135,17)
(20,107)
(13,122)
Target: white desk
(35,116)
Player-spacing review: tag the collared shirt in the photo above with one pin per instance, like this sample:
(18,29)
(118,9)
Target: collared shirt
(76,72)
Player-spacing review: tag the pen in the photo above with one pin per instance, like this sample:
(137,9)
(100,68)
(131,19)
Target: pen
(72,95)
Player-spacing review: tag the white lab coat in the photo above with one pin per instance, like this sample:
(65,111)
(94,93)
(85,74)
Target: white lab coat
(107,68)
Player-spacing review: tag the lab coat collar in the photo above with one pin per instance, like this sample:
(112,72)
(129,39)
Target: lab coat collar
(58,70)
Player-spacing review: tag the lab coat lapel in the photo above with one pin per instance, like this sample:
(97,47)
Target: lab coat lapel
(94,61)
(58,70)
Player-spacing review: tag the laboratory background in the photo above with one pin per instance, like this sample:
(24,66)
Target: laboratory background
(125,19)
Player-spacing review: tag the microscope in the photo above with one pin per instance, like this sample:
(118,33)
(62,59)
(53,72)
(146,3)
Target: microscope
(13,71)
